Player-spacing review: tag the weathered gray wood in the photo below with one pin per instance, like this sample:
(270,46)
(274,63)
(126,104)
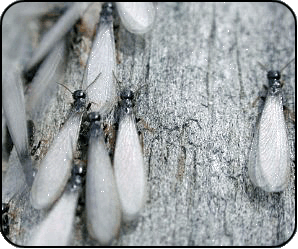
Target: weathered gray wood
(199,65)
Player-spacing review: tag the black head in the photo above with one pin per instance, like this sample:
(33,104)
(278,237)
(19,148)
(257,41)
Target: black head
(95,126)
(273,75)
(79,169)
(80,99)
(79,94)
(274,80)
(93,116)
(78,175)
(127,101)
(107,12)
(127,94)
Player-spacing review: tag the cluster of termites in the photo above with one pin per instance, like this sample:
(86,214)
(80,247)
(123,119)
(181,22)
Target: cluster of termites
(114,193)
(114,188)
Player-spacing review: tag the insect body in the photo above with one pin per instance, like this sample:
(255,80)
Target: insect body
(137,17)
(269,155)
(128,161)
(14,110)
(57,32)
(43,86)
(56,229)
(102,201)
(55,168)
(102,61)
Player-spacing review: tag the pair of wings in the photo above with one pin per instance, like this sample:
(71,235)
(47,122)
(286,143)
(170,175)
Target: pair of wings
(107,192)
(269,157)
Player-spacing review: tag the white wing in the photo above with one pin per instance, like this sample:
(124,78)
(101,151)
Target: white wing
(14,110)
(13,182)
(269,158)
(102,61)
(56,228)
(43,86)
(102,201)
(137,17)
(129,169)
(16,43)
(55,168)
(3,132)
(57,32)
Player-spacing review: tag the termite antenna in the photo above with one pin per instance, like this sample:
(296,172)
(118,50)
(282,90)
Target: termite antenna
(93,81)
(65,87)
(287,65)
(138,89)
(265,68)
(118,81)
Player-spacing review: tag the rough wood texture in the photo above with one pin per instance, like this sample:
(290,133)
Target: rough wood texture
(199,67)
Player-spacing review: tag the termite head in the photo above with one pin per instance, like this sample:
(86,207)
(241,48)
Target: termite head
(78,175)
(127,94)
(80,99)
(79,94)
(274,79)
(127,100)
(106,12)
(94,119)
(273,75)
(93,116)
